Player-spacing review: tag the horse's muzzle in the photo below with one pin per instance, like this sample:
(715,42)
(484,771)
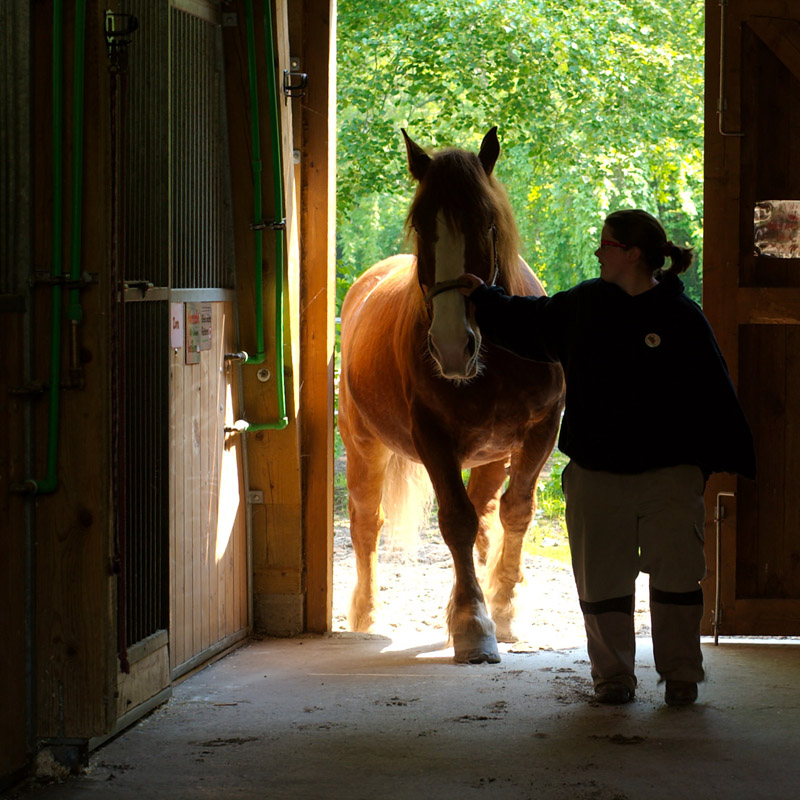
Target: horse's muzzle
(456,363)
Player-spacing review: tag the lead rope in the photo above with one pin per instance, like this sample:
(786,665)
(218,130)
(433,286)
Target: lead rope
(496,272)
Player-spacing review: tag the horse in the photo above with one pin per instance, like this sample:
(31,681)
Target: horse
(418,385)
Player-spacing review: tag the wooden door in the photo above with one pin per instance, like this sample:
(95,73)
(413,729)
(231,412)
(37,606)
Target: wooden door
(752,298)
(208,536)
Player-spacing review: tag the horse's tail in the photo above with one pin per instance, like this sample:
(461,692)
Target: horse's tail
(407,502)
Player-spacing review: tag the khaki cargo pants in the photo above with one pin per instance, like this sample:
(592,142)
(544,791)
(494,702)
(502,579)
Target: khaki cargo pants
(619,526)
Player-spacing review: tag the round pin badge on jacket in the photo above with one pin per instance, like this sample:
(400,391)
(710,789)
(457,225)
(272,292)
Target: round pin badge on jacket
(652,340)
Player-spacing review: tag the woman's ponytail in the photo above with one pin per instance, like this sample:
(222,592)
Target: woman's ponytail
(681,258)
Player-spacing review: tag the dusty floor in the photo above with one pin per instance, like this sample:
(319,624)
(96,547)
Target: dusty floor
(354,716)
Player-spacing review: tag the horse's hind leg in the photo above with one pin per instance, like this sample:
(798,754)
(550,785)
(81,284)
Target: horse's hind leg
(517,506)
(483,489)
(366,468)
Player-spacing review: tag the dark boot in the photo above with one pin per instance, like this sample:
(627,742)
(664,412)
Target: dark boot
(611,644)
(675,618)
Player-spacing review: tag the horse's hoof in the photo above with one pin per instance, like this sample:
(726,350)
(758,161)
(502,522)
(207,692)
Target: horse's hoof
(362,623)
(504,630)
(484,651)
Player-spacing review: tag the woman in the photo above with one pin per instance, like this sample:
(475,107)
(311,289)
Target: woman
(650,413)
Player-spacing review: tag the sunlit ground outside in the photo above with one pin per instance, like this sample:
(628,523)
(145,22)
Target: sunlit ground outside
(414,590)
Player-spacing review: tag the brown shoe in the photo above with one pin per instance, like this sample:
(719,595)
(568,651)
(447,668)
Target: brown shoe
(680,693)
(613,693)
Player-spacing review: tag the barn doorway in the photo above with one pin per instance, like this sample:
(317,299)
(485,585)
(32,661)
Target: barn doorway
(551,82)
(716,59)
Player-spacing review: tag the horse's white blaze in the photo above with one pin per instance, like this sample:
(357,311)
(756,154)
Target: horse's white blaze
(450,330)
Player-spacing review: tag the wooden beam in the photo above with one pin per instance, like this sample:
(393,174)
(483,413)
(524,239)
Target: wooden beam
(782,37)
(765,306)
(317,55)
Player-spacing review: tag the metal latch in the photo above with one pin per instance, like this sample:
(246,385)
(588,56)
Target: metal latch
(268,224)
(294,80)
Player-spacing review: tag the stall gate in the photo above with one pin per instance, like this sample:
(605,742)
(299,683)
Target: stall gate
(182,530)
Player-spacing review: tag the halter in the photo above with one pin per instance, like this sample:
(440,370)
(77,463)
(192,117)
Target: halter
(458,283)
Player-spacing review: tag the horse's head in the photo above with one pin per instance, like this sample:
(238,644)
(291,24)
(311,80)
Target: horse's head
(456,214)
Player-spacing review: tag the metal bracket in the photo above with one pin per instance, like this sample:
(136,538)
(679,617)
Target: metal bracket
(294,81)
(31,390)
(719,516)
(266,224)
(119,29)
(143,286)
(64,280)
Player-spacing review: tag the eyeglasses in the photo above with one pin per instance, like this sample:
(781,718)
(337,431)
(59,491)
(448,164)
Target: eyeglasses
(609,243)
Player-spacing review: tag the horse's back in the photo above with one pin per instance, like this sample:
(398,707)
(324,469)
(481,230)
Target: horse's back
(376,311)
(368,281)
(533,286)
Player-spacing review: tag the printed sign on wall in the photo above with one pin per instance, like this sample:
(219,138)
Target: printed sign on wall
(176,325)
(198,330)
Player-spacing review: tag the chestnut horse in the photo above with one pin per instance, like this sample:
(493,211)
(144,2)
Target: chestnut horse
(418,382)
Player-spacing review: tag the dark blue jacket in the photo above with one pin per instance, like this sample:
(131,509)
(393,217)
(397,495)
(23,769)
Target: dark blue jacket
(647,385)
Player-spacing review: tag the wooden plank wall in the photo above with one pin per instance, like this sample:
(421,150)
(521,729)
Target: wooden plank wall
(13,740)
(208,535)
(75,627)
(767,546)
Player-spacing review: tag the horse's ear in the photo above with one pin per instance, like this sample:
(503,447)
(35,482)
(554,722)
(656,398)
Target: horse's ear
(418,159)
(490,150)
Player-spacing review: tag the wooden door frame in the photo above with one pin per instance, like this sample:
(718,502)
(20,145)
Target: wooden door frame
(292,468)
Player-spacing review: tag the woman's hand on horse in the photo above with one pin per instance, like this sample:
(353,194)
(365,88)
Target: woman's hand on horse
(471,283)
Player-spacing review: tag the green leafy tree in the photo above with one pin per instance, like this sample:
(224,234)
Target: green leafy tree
(599,106)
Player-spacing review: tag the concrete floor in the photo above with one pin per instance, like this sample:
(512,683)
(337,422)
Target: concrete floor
(354,716)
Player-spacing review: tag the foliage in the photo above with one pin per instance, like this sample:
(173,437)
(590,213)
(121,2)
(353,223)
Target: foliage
(599,106)
(547,536)
(549,497)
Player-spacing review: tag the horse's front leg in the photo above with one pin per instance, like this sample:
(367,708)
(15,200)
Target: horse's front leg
(470,626)
(469,623)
